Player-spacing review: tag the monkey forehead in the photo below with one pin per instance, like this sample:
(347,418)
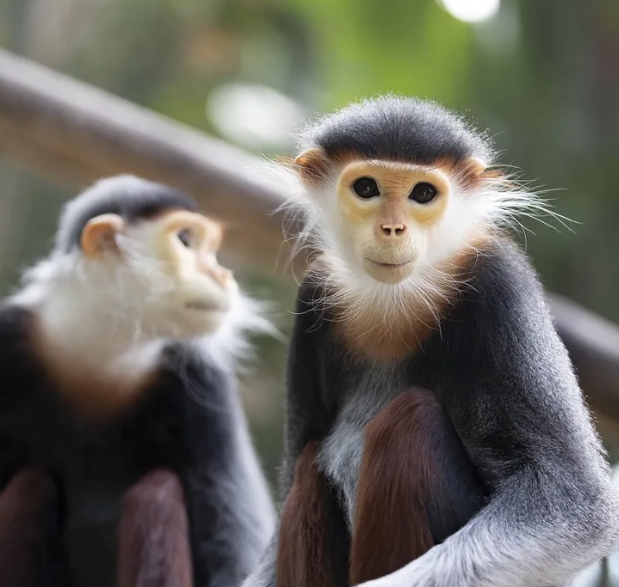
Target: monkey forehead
(399,129)
(128,196)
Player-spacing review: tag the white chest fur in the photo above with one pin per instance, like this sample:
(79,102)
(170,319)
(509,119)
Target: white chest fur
(341,452)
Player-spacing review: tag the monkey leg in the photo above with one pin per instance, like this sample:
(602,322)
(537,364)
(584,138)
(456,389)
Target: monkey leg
(313,540)
(30,545)
(153,534)
(416,486)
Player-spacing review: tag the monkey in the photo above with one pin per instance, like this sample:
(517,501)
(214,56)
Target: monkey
(436,433)
(123,435)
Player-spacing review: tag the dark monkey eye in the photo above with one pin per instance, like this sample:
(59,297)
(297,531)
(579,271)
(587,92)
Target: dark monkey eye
(185,237)
(423,193)
(366,187)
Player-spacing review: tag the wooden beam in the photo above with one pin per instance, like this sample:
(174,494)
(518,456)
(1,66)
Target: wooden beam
(593,344)
(75,134)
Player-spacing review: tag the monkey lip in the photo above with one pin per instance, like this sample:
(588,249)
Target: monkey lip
(205,306)
(389,265)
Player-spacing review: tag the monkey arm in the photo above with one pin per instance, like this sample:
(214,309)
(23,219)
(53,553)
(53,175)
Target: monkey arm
(229,507)
(513,397)
(19,374)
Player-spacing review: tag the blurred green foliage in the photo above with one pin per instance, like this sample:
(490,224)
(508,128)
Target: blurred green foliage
(542,75)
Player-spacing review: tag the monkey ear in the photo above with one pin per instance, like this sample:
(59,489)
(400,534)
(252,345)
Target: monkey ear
(313,165)
(476,166)
(99,234)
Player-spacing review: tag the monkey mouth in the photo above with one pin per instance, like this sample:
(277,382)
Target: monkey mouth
(388,265)
(205,306)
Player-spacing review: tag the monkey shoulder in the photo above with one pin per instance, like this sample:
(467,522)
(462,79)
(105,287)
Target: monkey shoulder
(508,369)
(310,310)
(308,398)
(312,336)
(18,361)
(16,323)
(21,382)
(503,309)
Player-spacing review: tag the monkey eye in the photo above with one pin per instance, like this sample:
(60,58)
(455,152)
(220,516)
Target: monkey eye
(366,187)
(185,237)
(423,193)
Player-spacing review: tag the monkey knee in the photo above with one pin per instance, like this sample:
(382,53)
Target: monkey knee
(160,489)
(153,533)
(28,490)
(32,483)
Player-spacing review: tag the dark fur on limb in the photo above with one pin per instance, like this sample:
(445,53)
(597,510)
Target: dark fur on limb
(29,532)
(153,534)
(308,553)
(406,505)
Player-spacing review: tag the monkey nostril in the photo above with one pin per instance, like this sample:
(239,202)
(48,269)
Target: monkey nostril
(393,229)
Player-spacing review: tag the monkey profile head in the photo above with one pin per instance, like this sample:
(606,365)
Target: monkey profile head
(135,261)
(167,265)
(133,272)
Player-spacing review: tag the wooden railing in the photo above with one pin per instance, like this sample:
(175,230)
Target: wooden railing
(75,134)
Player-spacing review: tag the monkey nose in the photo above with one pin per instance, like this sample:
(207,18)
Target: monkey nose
(222,275)
(393,230)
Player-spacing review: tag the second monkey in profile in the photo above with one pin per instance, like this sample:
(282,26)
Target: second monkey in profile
(126,458)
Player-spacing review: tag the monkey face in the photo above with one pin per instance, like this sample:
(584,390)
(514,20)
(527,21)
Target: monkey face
(166,270)
(388,214)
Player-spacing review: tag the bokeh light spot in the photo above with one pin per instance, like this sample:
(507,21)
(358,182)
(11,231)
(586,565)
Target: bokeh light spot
(471,10)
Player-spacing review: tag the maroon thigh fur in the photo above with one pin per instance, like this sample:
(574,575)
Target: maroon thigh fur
(304,558)
(29,526)
(153,534)
(399,471)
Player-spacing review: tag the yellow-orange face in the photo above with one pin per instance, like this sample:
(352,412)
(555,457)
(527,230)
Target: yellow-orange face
(390,218)
(387,212)
(166,269)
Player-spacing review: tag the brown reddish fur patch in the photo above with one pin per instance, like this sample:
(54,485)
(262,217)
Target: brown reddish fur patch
(28,527)
(366,335)
(153,534)
(303,558)
(397,476)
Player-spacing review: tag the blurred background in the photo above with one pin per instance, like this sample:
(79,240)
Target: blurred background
(543,75)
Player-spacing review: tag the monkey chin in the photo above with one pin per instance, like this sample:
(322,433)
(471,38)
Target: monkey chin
(198,318)
(392,273)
